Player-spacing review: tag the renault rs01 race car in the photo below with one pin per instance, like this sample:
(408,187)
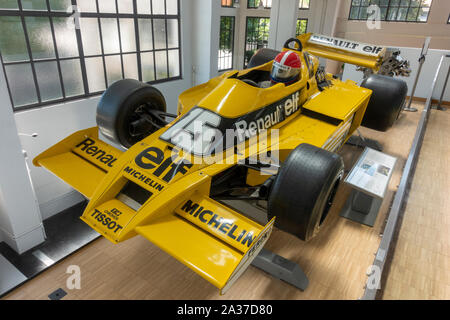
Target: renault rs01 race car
(230,139)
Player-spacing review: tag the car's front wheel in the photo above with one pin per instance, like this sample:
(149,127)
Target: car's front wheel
(127,111)
(304,190)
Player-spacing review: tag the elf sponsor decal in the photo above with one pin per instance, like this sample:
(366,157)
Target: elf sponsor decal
(223,225)
(90,148)
(153,158)
(253,123)
(348,45)
(106,221)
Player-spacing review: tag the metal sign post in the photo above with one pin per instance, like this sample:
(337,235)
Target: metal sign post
(421,61)
(439,105)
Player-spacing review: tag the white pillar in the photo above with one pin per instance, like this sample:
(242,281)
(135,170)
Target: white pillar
(205,38)
(20,219)
(283,20)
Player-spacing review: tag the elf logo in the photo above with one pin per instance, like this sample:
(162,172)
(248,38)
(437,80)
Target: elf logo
(268,117)
(223,225)
(347,45)
(153,157)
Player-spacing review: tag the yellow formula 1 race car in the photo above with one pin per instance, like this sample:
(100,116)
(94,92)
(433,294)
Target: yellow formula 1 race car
(231,139)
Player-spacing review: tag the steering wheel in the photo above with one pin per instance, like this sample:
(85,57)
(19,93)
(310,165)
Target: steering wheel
(250,82)
(296,41)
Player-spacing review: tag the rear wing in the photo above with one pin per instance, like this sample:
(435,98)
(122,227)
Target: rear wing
(348,51)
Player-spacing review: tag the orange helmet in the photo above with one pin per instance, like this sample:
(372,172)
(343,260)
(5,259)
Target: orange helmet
(286,67)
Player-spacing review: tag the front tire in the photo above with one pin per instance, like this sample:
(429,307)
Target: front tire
(122,113)
(304,189)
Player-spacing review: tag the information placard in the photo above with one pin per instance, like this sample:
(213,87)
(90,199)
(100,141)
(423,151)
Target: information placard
(372,172)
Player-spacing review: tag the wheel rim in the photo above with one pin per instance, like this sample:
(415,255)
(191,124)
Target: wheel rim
(327,206)
(329,202)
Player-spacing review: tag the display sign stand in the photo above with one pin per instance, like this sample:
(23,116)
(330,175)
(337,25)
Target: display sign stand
(362,208)
(269,262)
(369,179)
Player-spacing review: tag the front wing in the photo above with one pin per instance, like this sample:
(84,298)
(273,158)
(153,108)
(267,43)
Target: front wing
(213,240)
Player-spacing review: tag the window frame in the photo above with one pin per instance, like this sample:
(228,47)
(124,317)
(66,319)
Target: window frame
(301,7)
(81,57)
(264,1)
(232,43)
(306,29)
(225,6)
(388,6)
(246,31)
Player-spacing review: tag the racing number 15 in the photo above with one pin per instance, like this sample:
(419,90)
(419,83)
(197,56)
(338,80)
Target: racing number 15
(195,132)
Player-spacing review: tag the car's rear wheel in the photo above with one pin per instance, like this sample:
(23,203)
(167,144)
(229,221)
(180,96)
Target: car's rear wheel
(386,102)
(126,111)
(304,190)
(262,56)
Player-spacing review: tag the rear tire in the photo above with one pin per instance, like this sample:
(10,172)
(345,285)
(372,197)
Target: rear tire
(262,56)
(123,105)
(304,189)
(386,102)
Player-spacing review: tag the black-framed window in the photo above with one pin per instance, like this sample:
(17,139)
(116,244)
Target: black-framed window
(227,3)
(256,36)
(303,4)
(226,43)
(392,10)
(302,25)
(52,53)
(254,4)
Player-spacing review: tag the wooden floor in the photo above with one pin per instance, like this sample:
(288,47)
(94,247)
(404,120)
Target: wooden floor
(335,261)
(420,267)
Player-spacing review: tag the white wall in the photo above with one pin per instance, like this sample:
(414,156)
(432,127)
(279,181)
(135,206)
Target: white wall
(55,122)
(283,17)
(426,76)
(20,220)
(205,39)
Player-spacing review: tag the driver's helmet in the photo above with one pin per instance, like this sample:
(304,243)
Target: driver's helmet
(286,67)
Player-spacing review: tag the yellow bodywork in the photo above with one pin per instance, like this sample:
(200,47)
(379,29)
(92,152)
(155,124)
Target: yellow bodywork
(360,54)
(179,216)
